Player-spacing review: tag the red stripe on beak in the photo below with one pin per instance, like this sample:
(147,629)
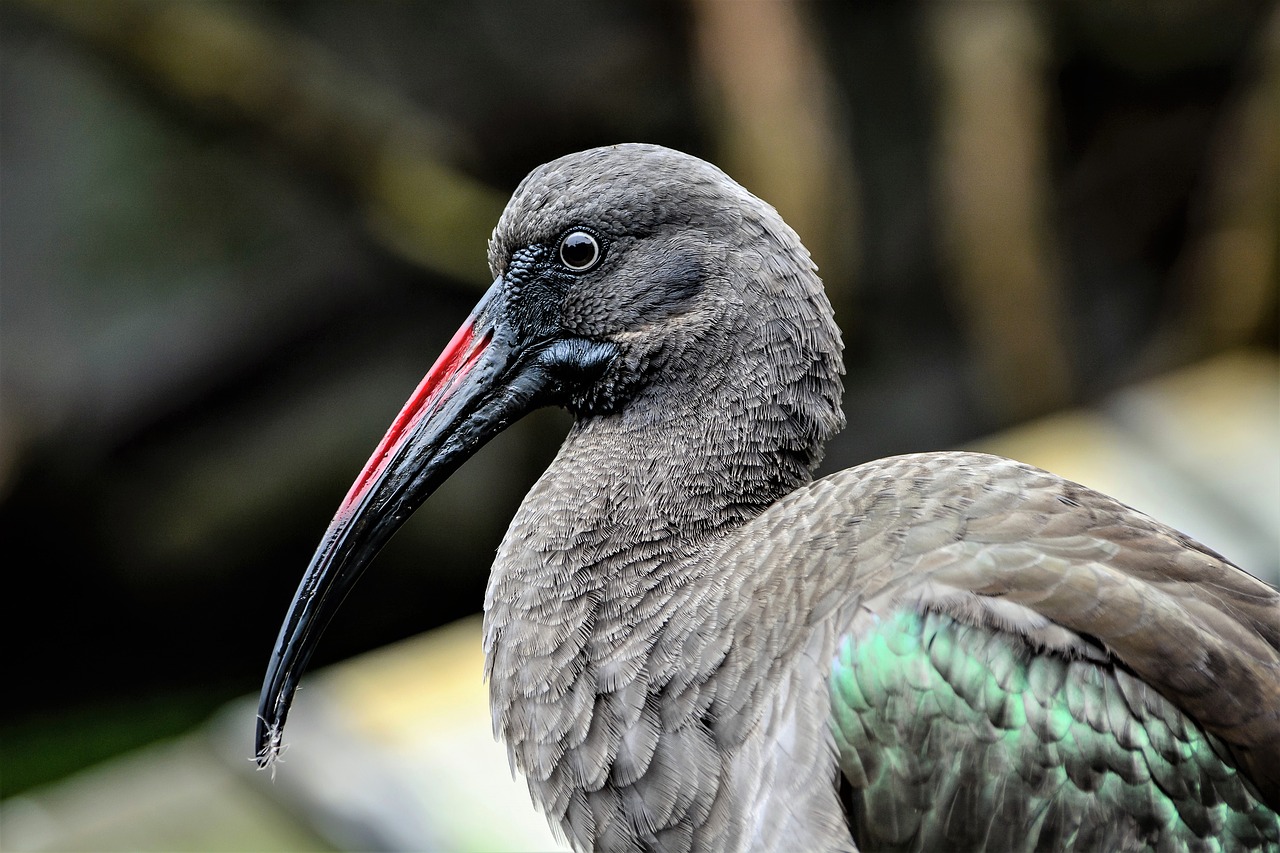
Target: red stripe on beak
(454,363)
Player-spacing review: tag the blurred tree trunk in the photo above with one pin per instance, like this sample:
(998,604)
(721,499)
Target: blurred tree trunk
(776,128)
(1230,276)
(995,185)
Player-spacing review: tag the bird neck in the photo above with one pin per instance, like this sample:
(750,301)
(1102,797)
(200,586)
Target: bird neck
(704,453)
(613,532)
(632,495)
(608,537)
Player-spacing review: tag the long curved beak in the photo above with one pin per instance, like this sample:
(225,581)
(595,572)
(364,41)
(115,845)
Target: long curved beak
(475,389)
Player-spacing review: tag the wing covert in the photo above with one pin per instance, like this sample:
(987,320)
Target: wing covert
(1003,545)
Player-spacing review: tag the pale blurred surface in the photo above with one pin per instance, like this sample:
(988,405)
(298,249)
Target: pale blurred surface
(393,750)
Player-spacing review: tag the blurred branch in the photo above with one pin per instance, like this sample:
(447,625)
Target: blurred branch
(234,71)
(995,181)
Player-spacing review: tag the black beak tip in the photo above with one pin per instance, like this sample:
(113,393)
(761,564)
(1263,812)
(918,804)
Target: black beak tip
(269,744)
(273,704)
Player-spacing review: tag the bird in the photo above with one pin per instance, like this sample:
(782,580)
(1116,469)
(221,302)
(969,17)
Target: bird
(692,644)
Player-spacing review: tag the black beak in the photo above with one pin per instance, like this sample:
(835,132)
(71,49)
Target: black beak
(487,377)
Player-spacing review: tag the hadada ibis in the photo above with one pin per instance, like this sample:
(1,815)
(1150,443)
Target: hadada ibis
(691,644)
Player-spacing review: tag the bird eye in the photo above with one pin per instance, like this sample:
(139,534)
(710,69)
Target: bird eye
(579,251)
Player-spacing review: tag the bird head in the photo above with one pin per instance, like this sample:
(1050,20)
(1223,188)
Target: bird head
(620,273)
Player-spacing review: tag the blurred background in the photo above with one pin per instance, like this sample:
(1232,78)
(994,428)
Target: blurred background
(233,236)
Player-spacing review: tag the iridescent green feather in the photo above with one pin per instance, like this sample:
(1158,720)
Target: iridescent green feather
(952,735)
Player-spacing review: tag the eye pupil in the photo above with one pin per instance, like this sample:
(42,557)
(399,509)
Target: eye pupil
(579,251)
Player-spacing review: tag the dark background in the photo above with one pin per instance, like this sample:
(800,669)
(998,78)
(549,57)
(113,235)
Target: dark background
(234,235)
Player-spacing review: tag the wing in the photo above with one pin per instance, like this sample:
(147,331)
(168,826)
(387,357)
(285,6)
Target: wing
(1026,568)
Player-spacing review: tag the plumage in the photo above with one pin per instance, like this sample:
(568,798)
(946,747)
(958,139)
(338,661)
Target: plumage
(692,645)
